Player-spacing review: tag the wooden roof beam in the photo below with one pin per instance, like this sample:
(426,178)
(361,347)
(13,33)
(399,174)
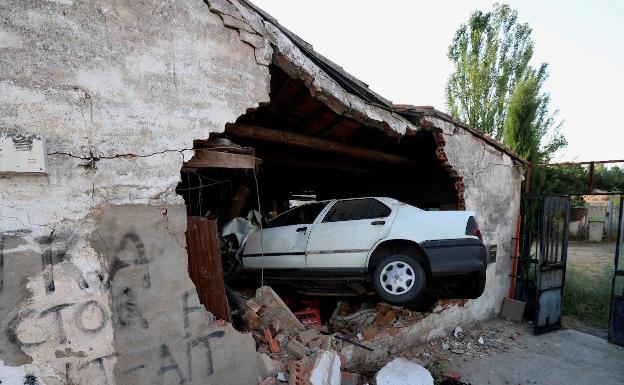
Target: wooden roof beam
(305,141)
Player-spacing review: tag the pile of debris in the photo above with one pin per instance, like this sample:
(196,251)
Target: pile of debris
(370,322)
(288,350)
(297,353)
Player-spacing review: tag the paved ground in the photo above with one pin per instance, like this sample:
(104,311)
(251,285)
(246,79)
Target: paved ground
(565,357)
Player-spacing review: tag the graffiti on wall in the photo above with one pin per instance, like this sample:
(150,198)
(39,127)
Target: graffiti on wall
(70,325)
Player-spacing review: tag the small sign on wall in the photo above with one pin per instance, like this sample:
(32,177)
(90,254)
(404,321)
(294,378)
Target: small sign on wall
(23,154)
(492,254)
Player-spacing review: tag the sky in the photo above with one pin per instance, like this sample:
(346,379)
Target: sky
(399,49)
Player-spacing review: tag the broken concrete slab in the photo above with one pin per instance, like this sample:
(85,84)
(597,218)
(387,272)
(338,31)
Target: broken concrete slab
(401,371)
(273,308)
(325,369)
(512,309)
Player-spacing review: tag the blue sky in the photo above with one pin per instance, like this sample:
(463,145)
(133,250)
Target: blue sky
(399,49)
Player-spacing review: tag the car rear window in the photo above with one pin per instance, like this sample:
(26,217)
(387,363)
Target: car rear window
(351,210)
(305,214)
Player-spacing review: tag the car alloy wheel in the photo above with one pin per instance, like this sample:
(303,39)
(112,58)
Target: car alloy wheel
(397,277)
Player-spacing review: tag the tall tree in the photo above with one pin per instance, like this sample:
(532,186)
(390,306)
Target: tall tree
(496,90)
(491,55)
(529,126)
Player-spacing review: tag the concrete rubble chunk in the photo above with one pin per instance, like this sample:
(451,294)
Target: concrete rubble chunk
(282,340)
(308,335)
(283,376)
(273,308)
(457,331)
(325,369)
(267,366)
(297,349)
(401,371)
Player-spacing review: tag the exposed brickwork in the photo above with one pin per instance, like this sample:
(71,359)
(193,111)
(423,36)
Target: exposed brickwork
(441,155)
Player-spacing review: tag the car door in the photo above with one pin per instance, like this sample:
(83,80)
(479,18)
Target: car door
(282,243)
(346,233)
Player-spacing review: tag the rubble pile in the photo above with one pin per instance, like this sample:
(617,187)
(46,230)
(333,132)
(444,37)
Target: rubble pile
(288,351)
(371,321)
(309,354)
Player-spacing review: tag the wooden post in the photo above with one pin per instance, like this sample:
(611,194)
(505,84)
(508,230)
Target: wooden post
(204,265)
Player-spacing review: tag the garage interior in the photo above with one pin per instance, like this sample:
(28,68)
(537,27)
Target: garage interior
(304,150)
(296,149)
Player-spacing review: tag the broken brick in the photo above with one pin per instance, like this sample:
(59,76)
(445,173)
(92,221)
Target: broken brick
(297,374)
(369,333)
(350,378)
(273,344)
(384,319)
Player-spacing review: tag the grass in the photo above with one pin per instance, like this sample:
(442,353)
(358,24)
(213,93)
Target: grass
(587,296)
(437,370)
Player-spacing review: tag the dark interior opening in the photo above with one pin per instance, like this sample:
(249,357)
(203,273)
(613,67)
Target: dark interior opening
(288,171)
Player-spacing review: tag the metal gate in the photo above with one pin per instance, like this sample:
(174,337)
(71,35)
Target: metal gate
(616,316)
(543,259)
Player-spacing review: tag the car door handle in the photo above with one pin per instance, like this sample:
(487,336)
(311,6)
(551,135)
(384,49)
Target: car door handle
(375,223)
(300,229)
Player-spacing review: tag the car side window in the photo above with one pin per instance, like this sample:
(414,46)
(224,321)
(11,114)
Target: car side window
(351,210)
(302,215)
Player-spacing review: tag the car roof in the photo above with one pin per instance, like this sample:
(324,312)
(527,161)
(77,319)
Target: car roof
(386,200)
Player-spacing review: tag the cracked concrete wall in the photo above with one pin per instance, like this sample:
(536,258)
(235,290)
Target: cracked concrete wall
(119,90)
(492,187)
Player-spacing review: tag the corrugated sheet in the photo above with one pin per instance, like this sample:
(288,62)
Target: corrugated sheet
(205,265)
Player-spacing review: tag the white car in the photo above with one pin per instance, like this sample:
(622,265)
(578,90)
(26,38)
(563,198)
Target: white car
(406,252)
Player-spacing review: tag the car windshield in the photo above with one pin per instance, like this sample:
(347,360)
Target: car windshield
(304,214)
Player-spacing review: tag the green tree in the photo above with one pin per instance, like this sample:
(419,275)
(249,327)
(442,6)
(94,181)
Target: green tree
(496,90)
(529,127)
(491,54)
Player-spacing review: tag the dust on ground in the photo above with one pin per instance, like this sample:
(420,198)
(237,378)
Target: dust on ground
(593,258)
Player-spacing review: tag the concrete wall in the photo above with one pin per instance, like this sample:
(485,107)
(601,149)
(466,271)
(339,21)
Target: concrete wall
(93,280)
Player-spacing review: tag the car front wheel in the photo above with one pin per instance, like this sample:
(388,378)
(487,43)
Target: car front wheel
(400,280)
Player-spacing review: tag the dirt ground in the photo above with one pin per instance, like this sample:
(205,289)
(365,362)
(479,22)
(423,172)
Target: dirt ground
(591,257)
(511,354)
